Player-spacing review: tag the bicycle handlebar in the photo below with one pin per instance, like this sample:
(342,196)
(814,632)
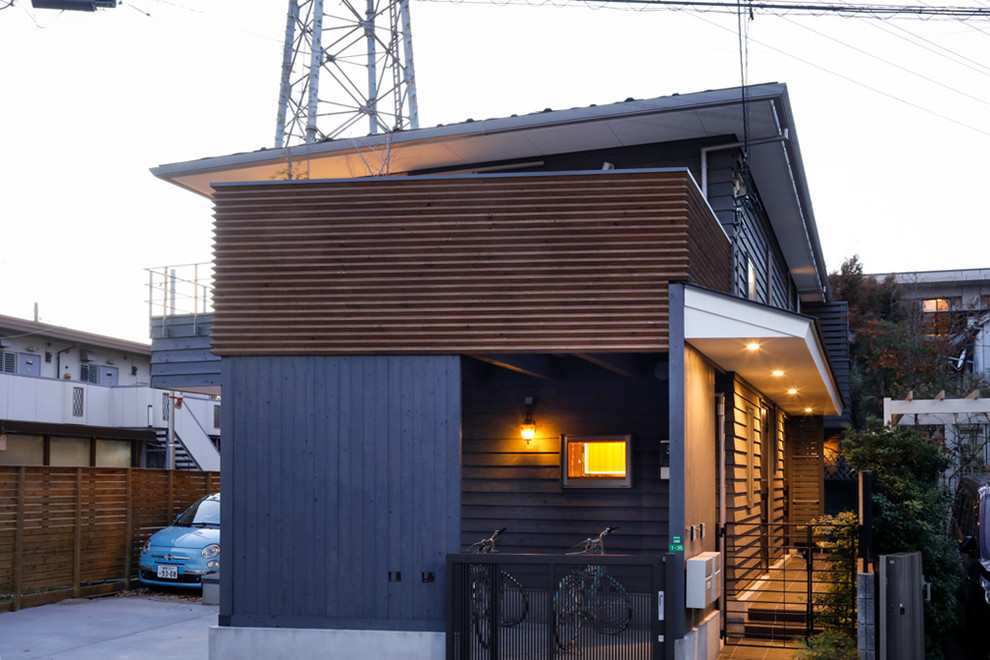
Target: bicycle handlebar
(485,545)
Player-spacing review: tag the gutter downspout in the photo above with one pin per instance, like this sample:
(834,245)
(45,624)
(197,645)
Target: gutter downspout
(58,360)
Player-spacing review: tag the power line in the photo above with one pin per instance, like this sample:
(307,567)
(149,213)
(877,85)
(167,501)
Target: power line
(889,63)
(858,83)
(826,8)
(780,8)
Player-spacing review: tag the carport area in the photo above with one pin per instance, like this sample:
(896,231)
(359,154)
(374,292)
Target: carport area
(119,627)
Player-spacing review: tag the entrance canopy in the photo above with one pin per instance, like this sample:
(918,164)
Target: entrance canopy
(778,352)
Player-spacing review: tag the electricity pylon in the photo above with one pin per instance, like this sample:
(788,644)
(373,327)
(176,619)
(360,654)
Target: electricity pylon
(339,70)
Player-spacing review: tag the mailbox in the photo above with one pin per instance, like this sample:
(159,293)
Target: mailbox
(703,581)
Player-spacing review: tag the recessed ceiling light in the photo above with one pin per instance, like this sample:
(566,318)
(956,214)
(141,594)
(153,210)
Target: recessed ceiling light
(793,390)
(753,346)
(807,410)
(776,372)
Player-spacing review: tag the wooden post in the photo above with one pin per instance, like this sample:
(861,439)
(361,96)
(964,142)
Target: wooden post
(77,538)
(128,531)
(19,540)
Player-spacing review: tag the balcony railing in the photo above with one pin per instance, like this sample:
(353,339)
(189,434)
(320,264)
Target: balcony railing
(182,290)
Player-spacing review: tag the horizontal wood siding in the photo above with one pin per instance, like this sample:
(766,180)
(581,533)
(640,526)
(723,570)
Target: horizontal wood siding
(741,212)
(344,473)
(510,483)
(444,265)
(744,470)
(806,463)
(710,250)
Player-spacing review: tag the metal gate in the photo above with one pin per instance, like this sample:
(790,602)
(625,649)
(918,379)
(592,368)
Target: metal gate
(789,581)
(606,607)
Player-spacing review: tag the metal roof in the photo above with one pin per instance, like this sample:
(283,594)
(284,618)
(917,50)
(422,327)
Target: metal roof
(776,165)
(14,327)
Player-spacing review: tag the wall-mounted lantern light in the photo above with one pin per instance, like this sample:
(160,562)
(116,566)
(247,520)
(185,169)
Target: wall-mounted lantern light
(528,429)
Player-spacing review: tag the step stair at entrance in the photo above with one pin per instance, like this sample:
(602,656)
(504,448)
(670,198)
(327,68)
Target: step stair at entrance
(775,622)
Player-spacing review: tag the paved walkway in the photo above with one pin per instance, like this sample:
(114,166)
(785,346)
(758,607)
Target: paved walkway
(109,628)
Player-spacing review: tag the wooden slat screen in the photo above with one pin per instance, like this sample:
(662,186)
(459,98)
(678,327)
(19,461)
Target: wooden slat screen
(425,265)
(70,532)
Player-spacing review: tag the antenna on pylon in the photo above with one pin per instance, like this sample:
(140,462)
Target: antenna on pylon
(366,61)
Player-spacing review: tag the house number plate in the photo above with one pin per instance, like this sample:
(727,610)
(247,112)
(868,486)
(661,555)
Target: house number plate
(168,571)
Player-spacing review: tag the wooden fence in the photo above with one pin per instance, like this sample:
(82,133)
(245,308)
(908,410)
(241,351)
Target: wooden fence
(73,532)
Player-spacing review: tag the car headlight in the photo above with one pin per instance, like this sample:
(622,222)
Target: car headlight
(213,565)
(211,551)
(147,546)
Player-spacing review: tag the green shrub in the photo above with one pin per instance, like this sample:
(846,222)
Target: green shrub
(828,645)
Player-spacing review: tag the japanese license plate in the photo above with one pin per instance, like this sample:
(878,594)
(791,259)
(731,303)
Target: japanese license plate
(168,572)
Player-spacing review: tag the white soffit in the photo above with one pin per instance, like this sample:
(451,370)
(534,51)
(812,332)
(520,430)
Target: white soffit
(721,327)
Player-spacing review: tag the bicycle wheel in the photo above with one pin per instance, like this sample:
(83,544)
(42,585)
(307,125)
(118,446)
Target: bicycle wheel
(513,602)
(481,604)
(567,612)
(611,606)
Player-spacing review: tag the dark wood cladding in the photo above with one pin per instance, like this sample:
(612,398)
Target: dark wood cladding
(833,321)
(344,472)
(574,262)
(508,482)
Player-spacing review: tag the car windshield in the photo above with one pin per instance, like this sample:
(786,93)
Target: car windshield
(205,513)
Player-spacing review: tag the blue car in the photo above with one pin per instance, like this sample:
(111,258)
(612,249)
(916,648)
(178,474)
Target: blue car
(182,553)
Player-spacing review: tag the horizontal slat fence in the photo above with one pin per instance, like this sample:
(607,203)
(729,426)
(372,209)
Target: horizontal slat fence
(73,532)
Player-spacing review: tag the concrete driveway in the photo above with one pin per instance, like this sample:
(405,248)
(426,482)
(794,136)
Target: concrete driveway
(110,628)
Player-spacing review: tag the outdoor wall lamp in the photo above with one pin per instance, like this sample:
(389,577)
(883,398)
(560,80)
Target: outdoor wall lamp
(528,429)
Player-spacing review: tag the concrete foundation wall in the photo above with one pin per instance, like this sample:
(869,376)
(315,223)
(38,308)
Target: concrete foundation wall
(266,643)
(701,642)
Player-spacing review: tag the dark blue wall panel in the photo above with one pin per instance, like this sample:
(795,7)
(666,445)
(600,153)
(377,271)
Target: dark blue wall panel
(339,473)
(180,352)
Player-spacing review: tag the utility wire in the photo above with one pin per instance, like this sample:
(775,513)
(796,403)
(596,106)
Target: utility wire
(779,8)
(932,47)
(829,8)
(857,82)
(889,63)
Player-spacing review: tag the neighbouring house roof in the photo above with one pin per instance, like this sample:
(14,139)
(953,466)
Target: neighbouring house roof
(14,327)
(788,354)
(774,154)
(961,276)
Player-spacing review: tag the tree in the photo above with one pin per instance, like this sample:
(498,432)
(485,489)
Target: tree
(911,509)
(894,350)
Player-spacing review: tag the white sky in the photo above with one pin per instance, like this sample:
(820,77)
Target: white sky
(892,120)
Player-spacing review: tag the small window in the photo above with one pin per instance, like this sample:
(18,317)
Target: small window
(8,362)
(77,402)
(935,305)
(596,461)
(89,373)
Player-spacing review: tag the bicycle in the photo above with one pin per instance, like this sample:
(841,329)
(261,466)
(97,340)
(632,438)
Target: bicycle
(513,603)
(592,595)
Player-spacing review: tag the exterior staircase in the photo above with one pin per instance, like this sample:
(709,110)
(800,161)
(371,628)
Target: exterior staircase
(183,459)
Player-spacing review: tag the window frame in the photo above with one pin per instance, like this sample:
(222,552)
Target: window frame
(566,440)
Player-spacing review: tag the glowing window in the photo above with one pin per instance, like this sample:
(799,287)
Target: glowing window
(935,305)
(600,461)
